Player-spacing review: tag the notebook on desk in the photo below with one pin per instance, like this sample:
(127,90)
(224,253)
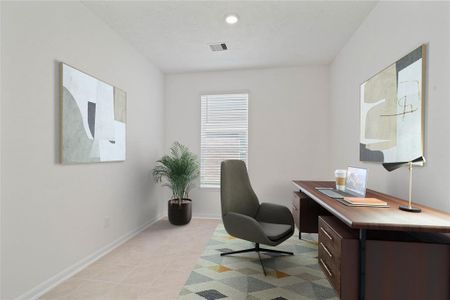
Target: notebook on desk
(363,202)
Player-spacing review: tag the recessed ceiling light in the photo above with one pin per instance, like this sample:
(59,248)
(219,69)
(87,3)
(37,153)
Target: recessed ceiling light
(231,19)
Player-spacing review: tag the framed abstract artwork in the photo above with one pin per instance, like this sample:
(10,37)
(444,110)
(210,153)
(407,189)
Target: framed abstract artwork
(392,111)
(93,119)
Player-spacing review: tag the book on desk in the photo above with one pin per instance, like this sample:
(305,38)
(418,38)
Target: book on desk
(363,202)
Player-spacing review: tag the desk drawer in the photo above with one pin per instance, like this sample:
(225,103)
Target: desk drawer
(296,200)
(296,215)
(330,273)
(332,262)
(329,238)
(306,213)
(331,257)
(337,249)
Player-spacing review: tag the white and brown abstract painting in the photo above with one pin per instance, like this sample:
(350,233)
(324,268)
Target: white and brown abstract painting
(93,119)
(392,111)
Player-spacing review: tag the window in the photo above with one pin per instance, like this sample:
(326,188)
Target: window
(224,134)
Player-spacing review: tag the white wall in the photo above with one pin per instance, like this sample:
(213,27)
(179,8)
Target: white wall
(53,214)
(392,30)
(288,123)
(1,167)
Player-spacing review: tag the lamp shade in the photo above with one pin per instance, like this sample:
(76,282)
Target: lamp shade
(394,166)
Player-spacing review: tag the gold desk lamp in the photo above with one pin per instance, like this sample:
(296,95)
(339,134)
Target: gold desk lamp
(394,166)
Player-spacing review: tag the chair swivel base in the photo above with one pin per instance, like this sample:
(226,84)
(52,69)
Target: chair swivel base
(257,249)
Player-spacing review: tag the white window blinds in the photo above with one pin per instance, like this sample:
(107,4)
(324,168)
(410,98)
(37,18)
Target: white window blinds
(224,134)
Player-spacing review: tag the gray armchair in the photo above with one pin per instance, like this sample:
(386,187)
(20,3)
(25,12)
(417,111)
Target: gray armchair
(245,218)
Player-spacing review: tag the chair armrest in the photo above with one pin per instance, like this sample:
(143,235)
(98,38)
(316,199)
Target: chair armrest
(244,227)
(274,213)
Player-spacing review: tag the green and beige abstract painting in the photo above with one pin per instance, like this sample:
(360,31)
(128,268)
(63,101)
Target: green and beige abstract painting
(93,119)
(392,112)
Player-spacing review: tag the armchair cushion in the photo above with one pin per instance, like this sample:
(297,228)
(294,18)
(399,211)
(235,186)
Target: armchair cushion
(275,232)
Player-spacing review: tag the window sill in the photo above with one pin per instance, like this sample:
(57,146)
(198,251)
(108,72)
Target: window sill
(210,187)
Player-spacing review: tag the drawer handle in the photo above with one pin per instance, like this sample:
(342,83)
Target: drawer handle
(326,268)
(326,250)
(326,233)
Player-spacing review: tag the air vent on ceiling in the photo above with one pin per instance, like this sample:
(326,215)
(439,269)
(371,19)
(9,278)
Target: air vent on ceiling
(218,47)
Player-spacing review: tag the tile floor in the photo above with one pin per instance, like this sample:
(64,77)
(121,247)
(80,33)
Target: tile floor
(153,265)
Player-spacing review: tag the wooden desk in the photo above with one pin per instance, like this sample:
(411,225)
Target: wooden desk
(366,219)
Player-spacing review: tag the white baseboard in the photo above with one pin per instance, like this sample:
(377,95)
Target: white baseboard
(68,272)
(203,216)
(208,217)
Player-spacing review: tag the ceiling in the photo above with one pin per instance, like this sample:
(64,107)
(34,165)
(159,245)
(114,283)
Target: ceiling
(175,35)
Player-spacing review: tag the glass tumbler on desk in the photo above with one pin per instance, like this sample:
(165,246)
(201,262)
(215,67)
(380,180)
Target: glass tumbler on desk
(340,179)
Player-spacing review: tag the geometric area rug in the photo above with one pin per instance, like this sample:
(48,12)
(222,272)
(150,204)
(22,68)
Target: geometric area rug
(240,276)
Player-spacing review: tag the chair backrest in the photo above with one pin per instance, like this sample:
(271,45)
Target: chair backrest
(236,193)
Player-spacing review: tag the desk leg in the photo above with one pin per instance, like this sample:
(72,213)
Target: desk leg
(362,263)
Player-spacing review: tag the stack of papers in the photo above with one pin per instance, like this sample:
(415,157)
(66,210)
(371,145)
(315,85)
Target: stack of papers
(363,202)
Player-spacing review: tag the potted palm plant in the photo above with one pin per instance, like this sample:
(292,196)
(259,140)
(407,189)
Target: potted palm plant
(178,170)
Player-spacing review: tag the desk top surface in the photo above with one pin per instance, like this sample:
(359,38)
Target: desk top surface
(429,220)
